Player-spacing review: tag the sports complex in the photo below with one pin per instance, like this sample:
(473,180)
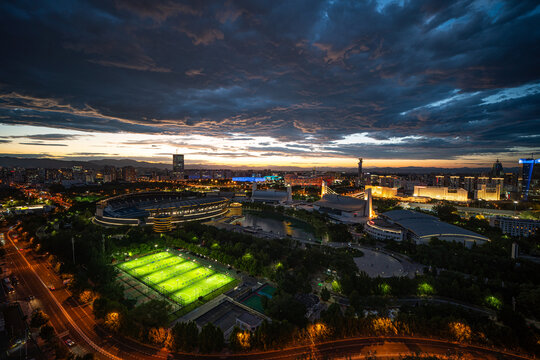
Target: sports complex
(143,207)
(180,277)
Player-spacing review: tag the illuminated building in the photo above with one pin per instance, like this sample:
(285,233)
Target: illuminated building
(382,191)
(252,179)
(482,180)
(178,165)
(468,183)
(162,223)
(381,229)
(515,227)
(271,196)
(488,194)
(295,180)
(530,179)
(420,228)
(441,193)
(129,173)
(141,208)
(345,209)
(454,182)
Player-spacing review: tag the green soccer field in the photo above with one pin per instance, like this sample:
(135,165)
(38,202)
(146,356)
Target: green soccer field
(177,276)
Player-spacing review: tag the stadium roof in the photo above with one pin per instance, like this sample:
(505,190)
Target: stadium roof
(424,225)
(269,194)
(344,203)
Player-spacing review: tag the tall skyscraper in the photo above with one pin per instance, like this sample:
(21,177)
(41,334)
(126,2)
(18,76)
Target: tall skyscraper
(530,178)
(178,165)
(497,169)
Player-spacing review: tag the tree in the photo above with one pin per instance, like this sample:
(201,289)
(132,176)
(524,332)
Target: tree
(185,336)
(160,336)
(325,294)
(240,339)
(286,307)
(38,318)
(46,332)
(210,338)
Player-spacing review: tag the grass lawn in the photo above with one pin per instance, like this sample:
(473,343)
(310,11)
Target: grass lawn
(178,277)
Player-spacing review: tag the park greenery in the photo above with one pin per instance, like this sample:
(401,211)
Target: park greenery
(483,275)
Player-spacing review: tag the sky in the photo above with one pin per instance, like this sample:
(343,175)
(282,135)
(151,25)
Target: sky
(272,83)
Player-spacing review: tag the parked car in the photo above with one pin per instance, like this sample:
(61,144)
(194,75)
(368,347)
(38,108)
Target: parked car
(69,342)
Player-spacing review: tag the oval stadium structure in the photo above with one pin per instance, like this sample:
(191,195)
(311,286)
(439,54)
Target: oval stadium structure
(141,208)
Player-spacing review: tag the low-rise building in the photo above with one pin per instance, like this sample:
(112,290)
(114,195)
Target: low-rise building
(381,229)
(516,226)
(345,209)
(418,227)
(441,193)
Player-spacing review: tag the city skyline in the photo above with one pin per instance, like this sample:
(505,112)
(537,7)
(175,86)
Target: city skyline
(269,85)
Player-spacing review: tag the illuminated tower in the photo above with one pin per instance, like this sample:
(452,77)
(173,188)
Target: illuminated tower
(530,178)
(368,210)
(360,160)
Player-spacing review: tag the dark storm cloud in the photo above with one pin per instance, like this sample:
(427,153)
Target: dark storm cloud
(51,137)
(39,143)
(309,72)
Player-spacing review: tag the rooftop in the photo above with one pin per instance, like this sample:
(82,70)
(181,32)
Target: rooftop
(344,203)
(424,225)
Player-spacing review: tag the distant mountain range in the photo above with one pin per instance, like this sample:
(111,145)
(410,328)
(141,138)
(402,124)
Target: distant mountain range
(47,163)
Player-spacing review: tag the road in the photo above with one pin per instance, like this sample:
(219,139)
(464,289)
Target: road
(67,316)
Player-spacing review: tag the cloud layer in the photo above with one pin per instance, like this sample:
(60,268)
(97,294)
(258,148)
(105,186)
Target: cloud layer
(378,79)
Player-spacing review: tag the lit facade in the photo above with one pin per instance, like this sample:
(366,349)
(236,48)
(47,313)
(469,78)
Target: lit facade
(382,191)
(488,194)
(162,223)
(530,178)
(441,193)
(178,165)
(381,229)
(516,227)
(295,180)
(142,208)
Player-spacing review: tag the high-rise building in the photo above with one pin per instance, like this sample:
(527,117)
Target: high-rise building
(497,169)
(530,178)
(454,182)
(178,165)
(129,173)
(468,183)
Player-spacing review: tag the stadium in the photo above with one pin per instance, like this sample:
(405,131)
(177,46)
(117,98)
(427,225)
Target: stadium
(141,208)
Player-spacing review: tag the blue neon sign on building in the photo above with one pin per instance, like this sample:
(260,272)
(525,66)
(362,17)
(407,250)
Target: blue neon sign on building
(527,174)
(249,179)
